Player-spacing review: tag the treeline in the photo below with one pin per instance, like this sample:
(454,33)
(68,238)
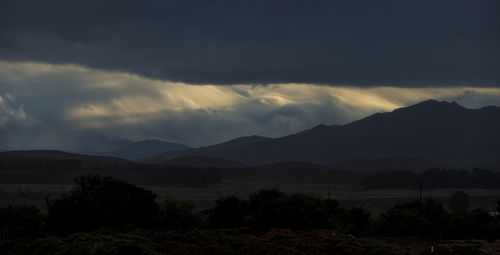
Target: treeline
(104,202)
(30,170)
(298,172)
(434,179)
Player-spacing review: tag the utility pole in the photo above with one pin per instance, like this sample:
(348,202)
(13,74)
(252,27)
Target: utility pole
(19,179)
(420,184)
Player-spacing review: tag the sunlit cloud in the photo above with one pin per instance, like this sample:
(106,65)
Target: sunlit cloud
(67,99)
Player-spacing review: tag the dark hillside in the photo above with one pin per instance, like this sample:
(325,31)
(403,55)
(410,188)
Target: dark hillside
(19,168)
(431,130)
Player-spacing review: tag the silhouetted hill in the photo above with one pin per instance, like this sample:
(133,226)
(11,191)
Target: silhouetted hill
(387,164)
(142,149)
(55,167)
(201,162)
(436,131)
(206,150)
(51,154)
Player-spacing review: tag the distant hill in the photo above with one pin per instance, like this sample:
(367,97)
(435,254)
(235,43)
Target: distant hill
(201,162)
(207,150)
(141,149)
(52,154)
(55,167)
(387,164)
(431,130)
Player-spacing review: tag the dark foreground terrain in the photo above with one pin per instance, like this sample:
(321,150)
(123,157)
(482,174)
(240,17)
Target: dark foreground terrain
(104,215)
(240,241)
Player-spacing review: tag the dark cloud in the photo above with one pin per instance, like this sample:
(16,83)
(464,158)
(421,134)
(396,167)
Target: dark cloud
(399,43)
(70,107)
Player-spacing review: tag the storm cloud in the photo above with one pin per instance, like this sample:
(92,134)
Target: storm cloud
(77,108)
(349,43)
(75,75)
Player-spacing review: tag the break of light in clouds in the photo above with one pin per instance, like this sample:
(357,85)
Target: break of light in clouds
(70,107)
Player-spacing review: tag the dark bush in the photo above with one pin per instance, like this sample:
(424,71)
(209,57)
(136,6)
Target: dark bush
(459,202)
(269,208)
(358,221)
(102,202)
(427,219)
(274,209)
(177,214)
(306,212)
(229,212)
(20,221)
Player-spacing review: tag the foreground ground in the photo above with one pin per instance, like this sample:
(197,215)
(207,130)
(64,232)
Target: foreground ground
(240,241)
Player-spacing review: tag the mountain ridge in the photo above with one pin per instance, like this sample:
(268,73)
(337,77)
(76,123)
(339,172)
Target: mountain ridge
(55,154)
(141,149)
(432,130)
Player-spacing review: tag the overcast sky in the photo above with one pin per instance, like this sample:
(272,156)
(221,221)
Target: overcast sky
(73,73)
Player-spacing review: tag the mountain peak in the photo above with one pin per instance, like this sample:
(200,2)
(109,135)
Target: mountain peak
(433,105)
(434,102)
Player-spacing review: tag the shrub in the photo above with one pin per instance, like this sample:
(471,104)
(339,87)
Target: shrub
(427,219)
(269,207)
(229,212)
(177,214)
(102,202)
(305,212)
(20,221)
(459,202)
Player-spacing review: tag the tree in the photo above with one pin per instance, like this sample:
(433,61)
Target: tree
(102,202)
(359,221)
(459,202)
(306,212)
(20,221)
(229,212)
(269,208)
(428,219)
(176,214)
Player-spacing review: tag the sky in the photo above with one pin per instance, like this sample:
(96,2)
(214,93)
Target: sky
(74,74)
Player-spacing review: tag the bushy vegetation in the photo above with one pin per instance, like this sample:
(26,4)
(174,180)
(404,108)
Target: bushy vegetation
(427,219)
(176,214)
(98,202)
(271,208)
(20,221)
(102,202)
(434,179)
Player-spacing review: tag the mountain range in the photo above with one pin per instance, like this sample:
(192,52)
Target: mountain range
(141,149)
(430,131)
(414,138)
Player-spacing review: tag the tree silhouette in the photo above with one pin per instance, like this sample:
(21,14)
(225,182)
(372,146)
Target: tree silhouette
(176,214)
(20,221)
(459,202)
(102,202)
(229,212)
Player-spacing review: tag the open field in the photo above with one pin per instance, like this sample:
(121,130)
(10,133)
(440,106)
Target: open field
(204,197)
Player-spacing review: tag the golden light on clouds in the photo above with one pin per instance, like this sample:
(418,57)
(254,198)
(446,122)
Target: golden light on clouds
(112,98)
